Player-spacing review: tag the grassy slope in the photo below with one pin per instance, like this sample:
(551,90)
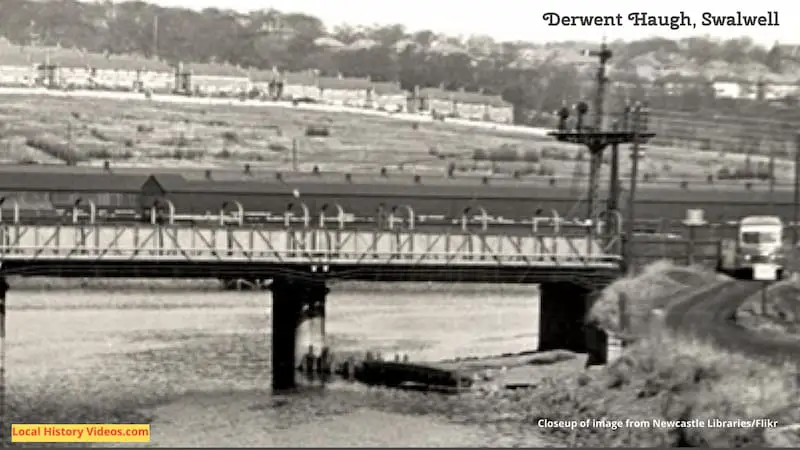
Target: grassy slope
(781,317)
(148,132)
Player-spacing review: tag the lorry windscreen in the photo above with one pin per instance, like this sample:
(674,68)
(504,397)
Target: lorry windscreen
(759,237)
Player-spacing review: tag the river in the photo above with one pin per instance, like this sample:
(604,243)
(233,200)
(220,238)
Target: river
(196,363)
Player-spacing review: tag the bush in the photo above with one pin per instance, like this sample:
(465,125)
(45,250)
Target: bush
(318,131)
(531,156)
(645,291)
(230,136)
(480,154)
(55,148)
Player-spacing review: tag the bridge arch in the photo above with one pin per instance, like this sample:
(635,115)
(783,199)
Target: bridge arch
(340,214)
(553,219)
(14,202)
(410,217)
(465,220)
(239,212)
(289,213)
(155,211)
(76,210)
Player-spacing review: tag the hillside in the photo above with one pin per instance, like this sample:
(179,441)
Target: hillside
(532,76)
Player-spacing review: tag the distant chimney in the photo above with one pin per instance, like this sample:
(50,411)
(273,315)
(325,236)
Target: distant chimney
(339,75)
(208,174)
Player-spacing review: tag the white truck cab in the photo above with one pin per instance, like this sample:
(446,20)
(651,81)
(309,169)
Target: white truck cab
(757,253)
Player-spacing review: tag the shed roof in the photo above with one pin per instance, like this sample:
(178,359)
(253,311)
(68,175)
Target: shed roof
(344,83)
(306,78)
(387,88)
(172,183)
(217,70)
(69,179)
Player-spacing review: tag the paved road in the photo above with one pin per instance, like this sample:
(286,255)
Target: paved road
(711,315)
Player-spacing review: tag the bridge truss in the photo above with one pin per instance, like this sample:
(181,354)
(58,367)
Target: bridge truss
(321,241)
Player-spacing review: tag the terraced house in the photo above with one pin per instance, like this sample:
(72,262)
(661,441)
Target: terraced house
(212,79)
(389,96)
(461,104)
(62,68)
(338,90)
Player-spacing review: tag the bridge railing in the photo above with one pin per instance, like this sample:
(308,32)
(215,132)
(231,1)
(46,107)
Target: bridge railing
(182,242)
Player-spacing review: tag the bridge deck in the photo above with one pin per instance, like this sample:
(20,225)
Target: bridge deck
(261,251)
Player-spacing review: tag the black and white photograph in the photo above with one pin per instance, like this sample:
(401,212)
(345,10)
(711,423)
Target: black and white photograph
(300,223)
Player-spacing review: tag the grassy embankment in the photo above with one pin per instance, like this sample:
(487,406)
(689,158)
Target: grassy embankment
(778,314)
(39,129)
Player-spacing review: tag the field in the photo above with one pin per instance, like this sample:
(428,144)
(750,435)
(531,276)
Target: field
(45,128)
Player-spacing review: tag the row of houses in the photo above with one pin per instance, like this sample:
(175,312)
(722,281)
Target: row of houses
(770,87)
(75,70)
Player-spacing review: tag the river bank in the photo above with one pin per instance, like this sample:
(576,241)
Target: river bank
(199,372)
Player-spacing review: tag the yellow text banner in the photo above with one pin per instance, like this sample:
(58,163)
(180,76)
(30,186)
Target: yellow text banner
(55,432)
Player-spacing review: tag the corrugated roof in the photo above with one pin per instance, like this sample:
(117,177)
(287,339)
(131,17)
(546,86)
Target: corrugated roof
(300,78)
(68,180)
(464,97)
(344,83)
(218,70)
(436,93)
(232,187)
(387,88)
(264,76)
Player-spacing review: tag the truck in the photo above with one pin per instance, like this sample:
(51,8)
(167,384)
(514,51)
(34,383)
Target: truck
(757,252)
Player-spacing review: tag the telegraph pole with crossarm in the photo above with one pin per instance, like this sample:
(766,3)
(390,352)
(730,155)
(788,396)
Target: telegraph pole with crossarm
(596,140)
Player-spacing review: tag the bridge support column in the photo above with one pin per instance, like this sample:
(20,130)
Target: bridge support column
(562,310)
(298,327)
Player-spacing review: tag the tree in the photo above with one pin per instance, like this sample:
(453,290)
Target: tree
(267,38)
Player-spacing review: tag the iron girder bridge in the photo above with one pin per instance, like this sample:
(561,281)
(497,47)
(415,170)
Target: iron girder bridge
(394,245)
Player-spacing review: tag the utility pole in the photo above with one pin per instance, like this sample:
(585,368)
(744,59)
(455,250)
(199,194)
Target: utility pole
(771,174)
(613,186)
(637,126)
(155,36)
(596,140)
(796,214)
(596,149)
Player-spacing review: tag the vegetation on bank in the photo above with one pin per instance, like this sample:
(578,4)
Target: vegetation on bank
(777,313)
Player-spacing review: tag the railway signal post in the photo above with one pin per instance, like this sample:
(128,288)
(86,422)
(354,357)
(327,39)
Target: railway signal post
(596,140)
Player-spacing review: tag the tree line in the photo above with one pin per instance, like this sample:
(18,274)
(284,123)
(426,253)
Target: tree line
(289,41)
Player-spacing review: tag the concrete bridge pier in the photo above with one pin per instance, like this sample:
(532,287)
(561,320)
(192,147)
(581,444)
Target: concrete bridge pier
(298,328)
(562,318)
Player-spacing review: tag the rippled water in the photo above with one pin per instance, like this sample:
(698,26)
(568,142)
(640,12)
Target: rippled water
(196,364)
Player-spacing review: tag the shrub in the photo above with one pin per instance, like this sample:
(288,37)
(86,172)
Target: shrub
(55,148)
